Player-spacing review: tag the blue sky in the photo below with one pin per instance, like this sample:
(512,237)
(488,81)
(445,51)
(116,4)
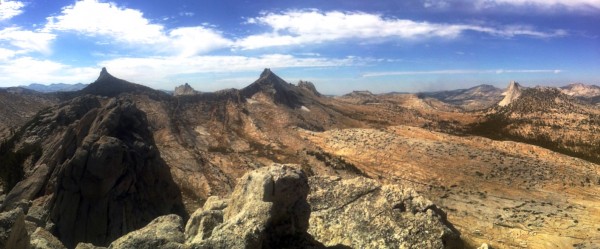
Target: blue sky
(340,45)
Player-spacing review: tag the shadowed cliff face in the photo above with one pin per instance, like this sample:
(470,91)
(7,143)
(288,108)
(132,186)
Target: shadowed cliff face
(101,170)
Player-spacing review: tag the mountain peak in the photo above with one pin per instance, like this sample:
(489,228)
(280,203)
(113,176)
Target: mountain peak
(271,84)
(111,86)
(104,75)
(184,89)
(266,73)
(512,93)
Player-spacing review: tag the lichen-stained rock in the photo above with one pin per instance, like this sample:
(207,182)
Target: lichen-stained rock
(42,239)
(267,209)
(200,225)
(165,232)
(88,246)
(361,213)
(12,230)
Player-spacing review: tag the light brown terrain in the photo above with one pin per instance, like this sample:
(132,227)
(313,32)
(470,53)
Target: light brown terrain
(503,193)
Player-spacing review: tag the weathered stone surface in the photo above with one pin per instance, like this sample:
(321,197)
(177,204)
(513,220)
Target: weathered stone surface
(42,239)
(163,232)
(267,209)
(12,230)
(99,175)
(88,246)
(361,213)
(200,225)
(26,189)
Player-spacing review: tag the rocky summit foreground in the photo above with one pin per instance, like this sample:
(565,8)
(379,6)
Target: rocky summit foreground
(280,207)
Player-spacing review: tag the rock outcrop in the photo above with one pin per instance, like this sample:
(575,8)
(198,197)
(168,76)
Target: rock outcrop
(184,89)
(163,232)
(361,213)
(512,93)
(99,175)
(12,229)
(267,209)
(309,86)
(279,90)
(42,239)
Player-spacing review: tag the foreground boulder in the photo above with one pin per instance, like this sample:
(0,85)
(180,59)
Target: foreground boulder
(361,213)
(163,232)
(12,230)
(267,209)
(42,239)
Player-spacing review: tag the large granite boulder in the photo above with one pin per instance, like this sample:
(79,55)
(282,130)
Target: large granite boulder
(362,213)
(42,239)
(267,209)
(163,232)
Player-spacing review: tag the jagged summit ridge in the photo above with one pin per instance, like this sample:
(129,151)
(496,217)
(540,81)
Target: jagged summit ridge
(270,84)
(184,89)
(512,93)
(104,75)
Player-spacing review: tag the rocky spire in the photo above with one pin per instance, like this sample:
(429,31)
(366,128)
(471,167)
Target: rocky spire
(104,74)
(184,89)
(266,73)
(512,93)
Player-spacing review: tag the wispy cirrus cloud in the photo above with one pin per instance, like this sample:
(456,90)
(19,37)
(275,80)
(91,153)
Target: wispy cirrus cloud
(572,4)
(493,4)
(298,27)
(462,71)
(10,9)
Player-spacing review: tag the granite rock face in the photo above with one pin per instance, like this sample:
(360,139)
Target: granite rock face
(267,209)
(362,213)
(100,174)
(163,232)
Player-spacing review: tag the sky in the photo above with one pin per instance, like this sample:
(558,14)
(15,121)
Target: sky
(339,45)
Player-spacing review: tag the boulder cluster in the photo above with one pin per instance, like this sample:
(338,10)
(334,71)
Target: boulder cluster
(279,207)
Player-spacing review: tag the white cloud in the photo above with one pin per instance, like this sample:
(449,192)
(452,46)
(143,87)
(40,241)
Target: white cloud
(10,9)
(24,41)
(461,71)
(129,26)
(312,26)
(19,71)
(159,70)
(193,40)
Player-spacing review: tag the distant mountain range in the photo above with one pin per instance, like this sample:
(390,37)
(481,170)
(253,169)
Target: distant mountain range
(55,87)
